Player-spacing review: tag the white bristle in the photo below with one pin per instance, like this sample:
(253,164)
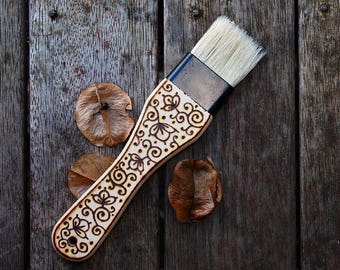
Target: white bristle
(228,50)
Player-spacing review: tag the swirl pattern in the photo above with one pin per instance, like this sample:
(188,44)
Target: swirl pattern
(169,121)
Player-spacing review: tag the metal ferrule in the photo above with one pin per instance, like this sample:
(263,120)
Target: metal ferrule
(200,83)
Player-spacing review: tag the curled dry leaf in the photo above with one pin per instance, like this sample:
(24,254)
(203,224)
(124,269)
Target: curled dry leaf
(101,114)
(86,170)
(195,190)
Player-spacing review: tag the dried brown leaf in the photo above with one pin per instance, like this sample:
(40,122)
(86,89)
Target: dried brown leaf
(86,170)
(101,114)
(195,190)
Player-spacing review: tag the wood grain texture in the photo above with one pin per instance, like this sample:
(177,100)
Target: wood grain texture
(251,140)
(12,110)
(319,134)
(89,41)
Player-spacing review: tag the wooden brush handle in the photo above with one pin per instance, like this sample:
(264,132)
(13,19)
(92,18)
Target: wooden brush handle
(169,122)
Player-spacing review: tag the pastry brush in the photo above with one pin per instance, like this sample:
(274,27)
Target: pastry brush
(174,116)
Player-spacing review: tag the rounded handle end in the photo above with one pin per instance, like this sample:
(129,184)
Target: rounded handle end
(68,243)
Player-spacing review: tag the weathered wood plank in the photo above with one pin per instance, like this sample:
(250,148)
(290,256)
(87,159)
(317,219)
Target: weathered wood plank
(13,58)
(319,134)
(89,41)
(252,141)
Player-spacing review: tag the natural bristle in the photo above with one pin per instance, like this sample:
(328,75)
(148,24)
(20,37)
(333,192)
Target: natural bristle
(228,50)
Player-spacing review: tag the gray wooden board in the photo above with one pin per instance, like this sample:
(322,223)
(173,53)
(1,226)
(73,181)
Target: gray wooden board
(319,134)
(105,41)
(251,140)
(12,110)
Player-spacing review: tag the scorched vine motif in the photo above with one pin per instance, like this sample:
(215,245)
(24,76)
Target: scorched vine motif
(170,119)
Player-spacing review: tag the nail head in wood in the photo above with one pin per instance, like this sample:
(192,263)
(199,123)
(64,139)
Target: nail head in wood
(53,14)
(324,7)
(195,12)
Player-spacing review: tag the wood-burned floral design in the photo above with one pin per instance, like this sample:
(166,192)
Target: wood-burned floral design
(170,120)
